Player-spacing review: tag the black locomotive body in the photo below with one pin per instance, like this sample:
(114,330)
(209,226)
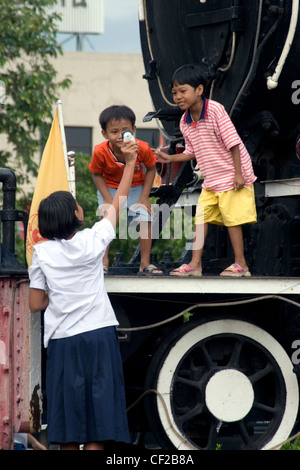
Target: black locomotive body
(249,50)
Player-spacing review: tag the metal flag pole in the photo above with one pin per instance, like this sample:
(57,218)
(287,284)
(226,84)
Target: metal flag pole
(68,157)
(72,180)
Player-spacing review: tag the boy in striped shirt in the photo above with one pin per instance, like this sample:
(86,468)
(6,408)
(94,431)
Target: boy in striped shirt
(227,196)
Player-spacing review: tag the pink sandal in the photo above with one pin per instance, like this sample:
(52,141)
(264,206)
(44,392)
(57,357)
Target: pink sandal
(235,270)
(185,271)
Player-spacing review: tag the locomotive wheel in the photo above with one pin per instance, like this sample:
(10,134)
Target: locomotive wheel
(224,383)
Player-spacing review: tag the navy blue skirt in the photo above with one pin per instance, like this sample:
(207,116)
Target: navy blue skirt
(85,389)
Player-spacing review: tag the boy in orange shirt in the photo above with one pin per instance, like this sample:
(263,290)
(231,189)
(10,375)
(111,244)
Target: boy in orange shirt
(107,166)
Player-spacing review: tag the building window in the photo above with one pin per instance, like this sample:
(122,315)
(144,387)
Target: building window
(151,136)
(79,139)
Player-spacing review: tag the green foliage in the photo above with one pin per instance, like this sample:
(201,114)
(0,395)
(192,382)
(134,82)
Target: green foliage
(27,46)
(85,189)
(293,445)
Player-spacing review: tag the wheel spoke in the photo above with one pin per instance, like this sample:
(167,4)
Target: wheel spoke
(191,414)
(188,382)
(206,356)
(260,374)
(235,355)
(244,433)
(212,435)
(266,408)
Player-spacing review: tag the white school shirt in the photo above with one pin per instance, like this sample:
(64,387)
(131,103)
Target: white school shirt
(72,272)
(210,141)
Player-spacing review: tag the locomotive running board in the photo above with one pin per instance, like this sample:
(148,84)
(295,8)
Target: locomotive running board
(202,285)
(283,187)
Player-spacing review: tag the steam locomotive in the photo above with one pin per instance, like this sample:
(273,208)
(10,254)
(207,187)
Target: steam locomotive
(249,50)
(211,362)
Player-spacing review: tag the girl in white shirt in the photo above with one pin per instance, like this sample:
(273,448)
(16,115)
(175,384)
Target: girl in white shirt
(84,379)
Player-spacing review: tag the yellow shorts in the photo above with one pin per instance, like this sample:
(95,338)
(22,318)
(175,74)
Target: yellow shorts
(228,208)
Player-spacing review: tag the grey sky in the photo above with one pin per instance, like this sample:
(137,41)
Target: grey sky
(121,30)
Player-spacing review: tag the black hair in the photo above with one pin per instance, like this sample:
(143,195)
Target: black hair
(117,113)
(56,216)
(189,74)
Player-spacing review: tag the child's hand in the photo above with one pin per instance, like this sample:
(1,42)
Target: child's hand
(146,204)
(130,149)
(104,207)
(161,157)
(238,182)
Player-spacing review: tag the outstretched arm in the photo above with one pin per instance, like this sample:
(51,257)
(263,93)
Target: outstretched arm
(129,149)
(164,157)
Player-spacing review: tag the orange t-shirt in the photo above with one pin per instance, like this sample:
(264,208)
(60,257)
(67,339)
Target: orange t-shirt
(104,161)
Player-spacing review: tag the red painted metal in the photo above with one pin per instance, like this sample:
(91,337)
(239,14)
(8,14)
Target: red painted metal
(19,401)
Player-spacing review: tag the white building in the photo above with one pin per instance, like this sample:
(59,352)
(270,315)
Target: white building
(100,80)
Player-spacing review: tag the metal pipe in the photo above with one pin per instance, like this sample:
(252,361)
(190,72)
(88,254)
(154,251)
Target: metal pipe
(272,81)
(8,178)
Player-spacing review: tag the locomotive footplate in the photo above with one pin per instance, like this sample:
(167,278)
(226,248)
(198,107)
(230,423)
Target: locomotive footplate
(203,285)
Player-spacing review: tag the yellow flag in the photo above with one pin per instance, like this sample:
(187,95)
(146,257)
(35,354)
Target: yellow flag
(52,177)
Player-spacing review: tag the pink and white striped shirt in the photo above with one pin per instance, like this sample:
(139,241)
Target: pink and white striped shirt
(210,141)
